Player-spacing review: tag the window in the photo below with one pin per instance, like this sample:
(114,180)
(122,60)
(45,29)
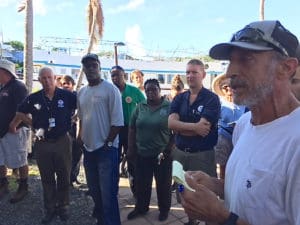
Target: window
(161,78)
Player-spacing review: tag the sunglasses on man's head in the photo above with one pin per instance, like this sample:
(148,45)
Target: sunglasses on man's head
(257,36)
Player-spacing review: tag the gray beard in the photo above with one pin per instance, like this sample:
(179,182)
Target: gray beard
(260,92)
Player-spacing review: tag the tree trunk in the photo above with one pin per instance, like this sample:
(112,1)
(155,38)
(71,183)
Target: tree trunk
(28,56)
(79,80)
(28,47)
(262,10)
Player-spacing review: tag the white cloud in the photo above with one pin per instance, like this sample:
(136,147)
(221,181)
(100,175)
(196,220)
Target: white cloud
(131,5)
(39,7)
(5,3)
(219,20)
(64,6)
(133,37)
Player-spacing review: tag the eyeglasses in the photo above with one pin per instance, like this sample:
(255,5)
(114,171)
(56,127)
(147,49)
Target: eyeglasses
(257,36)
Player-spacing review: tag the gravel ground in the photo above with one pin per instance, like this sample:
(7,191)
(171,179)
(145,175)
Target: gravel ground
(30,210)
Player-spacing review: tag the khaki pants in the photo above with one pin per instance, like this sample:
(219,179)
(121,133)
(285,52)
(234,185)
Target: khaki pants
(54,163)
(204,161)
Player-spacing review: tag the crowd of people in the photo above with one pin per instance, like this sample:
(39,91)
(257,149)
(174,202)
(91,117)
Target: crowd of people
(247,124)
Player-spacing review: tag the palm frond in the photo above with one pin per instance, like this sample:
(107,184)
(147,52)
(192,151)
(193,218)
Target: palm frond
(22,6)
(95,20)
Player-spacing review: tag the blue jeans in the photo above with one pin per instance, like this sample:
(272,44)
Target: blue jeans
(102,172)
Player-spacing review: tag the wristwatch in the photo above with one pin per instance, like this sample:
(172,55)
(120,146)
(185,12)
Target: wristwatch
(109,144)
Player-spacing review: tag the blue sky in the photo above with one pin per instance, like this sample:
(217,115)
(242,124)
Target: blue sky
(149,27)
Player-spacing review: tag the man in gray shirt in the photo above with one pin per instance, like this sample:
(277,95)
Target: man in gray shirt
(101,117)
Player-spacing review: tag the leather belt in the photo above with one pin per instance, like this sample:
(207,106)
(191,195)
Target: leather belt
(52,140)
(192,150)
(189,150)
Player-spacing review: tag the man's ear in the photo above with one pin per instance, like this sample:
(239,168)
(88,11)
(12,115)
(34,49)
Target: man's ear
(288,67)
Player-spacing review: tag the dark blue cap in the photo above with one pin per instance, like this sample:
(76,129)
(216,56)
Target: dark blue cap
(90,56)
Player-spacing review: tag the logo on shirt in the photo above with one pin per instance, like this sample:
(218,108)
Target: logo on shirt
(200,108)
(60,103)
(37,106)
(197,112)
(248,184)
(128,99)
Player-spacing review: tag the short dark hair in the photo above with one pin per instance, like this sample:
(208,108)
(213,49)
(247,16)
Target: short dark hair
(117,68)
(152,81)
(68,78)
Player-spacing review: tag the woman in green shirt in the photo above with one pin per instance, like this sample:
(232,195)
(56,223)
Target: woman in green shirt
(149,146)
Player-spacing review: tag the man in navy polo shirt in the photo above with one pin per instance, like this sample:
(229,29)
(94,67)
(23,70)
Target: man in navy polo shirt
(51,109)
(193,117)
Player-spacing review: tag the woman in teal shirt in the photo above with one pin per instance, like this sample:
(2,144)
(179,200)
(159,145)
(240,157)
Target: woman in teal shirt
(149,146)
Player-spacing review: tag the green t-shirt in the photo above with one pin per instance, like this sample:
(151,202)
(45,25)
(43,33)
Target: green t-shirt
(152,132)
(131,96)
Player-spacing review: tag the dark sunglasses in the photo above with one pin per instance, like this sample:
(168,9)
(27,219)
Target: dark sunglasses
(256,36)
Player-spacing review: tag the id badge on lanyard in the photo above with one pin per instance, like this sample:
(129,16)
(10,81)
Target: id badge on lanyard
(51,123)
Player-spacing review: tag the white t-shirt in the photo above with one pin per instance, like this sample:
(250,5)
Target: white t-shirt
(99,108)
(262,182)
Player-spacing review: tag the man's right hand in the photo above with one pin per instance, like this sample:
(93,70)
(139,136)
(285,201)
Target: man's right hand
(201,178)
(203,204)
(212,183)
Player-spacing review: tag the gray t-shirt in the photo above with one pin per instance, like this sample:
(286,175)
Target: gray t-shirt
(99,108)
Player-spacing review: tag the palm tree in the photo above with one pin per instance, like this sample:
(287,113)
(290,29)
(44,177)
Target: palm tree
(95,29)
(28,47)
(28,51)
(262,10)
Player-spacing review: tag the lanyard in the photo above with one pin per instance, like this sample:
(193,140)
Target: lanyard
(49,103)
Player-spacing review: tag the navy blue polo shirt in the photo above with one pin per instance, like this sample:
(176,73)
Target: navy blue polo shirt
(207,105)
(11,95)
(42,109)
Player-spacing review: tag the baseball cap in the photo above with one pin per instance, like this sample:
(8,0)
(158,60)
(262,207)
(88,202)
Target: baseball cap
(90,56)
(116,68)
(8,66)
(260,36)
